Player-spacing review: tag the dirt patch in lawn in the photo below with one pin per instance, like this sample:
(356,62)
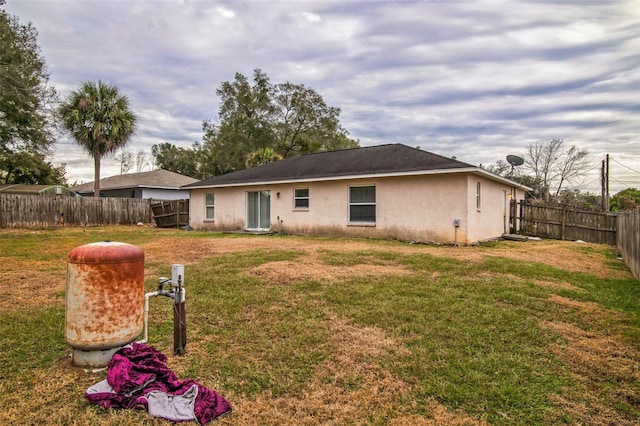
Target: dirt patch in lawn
(556,284)
(587,307)
(31,288)
(590,313)
(345,389)
(597,362)
(513,278)
(566,255)
(41,282)
(606,368)
(439,415)
(312,267)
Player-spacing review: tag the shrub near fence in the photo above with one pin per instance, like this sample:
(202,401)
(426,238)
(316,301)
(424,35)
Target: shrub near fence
(629,239)
(26,211)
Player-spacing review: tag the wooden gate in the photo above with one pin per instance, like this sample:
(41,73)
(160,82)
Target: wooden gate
(171,214)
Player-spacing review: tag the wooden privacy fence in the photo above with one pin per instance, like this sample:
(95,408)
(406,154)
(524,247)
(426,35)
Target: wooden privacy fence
(171,214)
(567,223)
(26,211)
(629,239)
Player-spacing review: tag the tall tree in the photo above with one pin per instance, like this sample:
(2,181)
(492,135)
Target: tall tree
(32,168)
(291,119)
(304,123)
(99,118)
(245,121)
(125,159)
(258,122)
(141,161)
(500,168)
(27,101)
(175,159)
(554,166)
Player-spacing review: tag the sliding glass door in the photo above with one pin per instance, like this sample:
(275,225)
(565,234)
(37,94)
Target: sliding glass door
(258,210)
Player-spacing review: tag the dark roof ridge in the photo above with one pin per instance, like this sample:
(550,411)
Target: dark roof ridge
(350,149)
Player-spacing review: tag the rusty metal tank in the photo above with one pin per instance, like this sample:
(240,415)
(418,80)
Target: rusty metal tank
(104,300)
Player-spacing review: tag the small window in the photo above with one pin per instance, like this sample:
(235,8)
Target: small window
(478,196)
(301,198)
(362,204)
(209,206)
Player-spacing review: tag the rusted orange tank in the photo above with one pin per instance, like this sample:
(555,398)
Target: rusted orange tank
(105,300)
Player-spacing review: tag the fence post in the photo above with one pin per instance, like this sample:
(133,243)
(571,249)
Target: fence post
(178,214)
(521,223)
(60,209)
(563,232)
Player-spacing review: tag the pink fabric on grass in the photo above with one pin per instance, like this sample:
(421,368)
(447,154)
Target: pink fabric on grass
(138,369)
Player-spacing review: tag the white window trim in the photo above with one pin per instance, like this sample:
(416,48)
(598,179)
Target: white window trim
(349,204)
(206,207)
(478,196)
(295,198)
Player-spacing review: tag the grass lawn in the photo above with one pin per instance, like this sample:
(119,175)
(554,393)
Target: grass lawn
(315,331)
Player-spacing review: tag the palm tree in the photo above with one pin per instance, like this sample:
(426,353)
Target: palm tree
(100,121)
(262,156)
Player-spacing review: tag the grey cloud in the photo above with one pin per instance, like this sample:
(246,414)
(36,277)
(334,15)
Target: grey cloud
(473,79)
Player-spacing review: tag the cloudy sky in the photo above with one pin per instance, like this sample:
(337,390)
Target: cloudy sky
(470,78)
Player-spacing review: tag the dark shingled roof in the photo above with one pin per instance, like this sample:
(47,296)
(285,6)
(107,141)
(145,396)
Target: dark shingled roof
(163,179)
(374,160)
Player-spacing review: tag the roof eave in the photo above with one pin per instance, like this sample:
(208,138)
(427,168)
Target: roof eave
(502,179)
(368,176)
(112,188)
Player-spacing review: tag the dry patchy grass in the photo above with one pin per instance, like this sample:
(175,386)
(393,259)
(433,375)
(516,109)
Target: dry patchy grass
(595,360)
(345,389)
(36,281)
(350,385)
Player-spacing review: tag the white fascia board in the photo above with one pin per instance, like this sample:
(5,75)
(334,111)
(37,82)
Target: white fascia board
(501,179)
(372,176)
(110,188)
(159,187)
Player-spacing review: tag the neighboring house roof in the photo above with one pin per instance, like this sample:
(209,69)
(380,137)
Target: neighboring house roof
(374,161)
(13,188)
(158,179)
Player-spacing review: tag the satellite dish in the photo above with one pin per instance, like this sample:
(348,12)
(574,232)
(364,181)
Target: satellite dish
(514,160)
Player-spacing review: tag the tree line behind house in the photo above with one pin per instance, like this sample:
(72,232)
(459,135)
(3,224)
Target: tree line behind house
(258,122)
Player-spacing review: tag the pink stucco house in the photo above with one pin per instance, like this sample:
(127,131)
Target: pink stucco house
(386,191)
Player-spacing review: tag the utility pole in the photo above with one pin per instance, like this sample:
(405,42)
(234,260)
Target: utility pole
(604,184)
(602,187)
(607,186)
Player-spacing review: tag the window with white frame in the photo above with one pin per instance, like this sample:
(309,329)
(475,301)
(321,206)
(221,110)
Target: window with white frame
(478,196)
(209,206)
(362,204)
(301,198)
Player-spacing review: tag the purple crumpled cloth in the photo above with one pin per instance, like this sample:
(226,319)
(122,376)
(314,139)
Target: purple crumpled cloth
(138,369)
